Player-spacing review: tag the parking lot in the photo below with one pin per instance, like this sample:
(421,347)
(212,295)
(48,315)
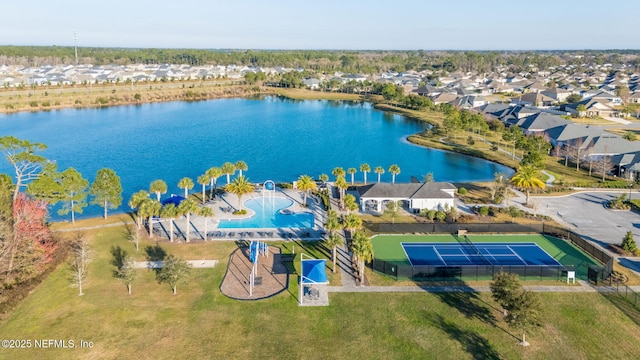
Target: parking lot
(586,214)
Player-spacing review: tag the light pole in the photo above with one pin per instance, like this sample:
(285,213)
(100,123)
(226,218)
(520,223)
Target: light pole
(630,187)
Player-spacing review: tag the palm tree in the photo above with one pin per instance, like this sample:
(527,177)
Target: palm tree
(352,223)
(241,166)
(333,222)
(306,184)
(240,186)
(203,180)
(207,212)
(341,184)
(332,242)
(186,184)
(350,203)
(213,173)
(338,172)
(362,250)
(134,203)
(379,170)
(394,170)
(324,178)
(169,211)
(352,172)
(365,168)
(187,207)
(527,178)
(158,187)
(149,208)
(228,169)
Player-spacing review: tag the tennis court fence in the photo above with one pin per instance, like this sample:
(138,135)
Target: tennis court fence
(594,251)
(468,272)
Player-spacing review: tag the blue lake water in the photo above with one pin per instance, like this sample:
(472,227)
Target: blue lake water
(279,139)
(268,215)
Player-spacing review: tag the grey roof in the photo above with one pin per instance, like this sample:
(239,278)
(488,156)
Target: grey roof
(541,121)
(613,144)
(433,190)
(494,108)
(574,131)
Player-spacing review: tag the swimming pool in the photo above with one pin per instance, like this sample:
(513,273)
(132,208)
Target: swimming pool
(268,215)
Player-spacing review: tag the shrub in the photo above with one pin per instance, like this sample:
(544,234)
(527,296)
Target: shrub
(431,214)
(484,211)
(470,141)
(628,244)
(462,191)
(514,212)
(33,103)
(137,96)
(240,212)
(46,103)
(619,203)
(441,215)
(286,185)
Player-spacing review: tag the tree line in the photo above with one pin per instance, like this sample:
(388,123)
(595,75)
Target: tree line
(326,61)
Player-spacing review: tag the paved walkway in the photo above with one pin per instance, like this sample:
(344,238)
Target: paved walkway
(198,264)
(580,287)
(550,178)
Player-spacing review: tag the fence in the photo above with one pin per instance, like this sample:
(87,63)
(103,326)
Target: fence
(592,250)
(434,228)
(628,294)
(467,272)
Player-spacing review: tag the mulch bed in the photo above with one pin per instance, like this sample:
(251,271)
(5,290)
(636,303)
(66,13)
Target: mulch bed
(272,271)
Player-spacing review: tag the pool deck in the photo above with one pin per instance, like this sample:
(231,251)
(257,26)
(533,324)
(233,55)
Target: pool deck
(223,207)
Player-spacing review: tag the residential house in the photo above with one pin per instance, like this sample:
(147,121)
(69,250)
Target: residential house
(537,124)
(311,83)
(534,99)
(593,108)
(469,101)
(557,94)
(443,98)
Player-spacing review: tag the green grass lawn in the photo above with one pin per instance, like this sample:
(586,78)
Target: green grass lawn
(200,322)
(389,248)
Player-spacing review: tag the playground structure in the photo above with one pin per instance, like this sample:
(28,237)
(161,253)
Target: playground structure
(268,190)
(256,248)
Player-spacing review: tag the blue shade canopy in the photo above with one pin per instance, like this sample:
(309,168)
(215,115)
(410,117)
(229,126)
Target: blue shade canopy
(313,271)
(175,200)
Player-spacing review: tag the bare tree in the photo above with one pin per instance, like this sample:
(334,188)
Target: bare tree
(125,269)
(498,185)
(132,233)
(604,166)
(79,261)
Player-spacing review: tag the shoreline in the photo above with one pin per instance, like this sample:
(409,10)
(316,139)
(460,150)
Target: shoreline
(295,94)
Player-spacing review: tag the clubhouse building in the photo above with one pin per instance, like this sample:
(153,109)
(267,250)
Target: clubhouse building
(412,196)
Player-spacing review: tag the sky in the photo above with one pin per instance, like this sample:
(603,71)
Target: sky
(325,24)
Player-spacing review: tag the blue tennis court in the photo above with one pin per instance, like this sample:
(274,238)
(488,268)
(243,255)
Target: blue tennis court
(452,254)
